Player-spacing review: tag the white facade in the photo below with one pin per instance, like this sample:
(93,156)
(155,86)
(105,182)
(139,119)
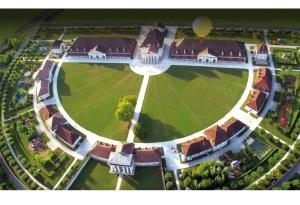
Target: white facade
(189,158)
(219,146)
(58,51)
(97,55)
(149,57)
(206,58)
(38,89)
(147,164)
(119,169)
(261,58)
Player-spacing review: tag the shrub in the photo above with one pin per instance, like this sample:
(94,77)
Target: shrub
(168,176)
(139,131)
(169,185)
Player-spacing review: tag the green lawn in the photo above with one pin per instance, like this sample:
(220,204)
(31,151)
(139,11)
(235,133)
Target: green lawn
(95,176)
(145,178)
(90,93)
(184,100)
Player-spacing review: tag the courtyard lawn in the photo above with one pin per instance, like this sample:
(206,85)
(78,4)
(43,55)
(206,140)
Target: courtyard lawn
(90,92)
(95,176)
(184,100)
(145,178)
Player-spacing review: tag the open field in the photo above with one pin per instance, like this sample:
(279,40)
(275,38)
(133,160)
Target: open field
(145,178)
(240,16)
(185,99)
(95,176)
(90,92)
(12,20)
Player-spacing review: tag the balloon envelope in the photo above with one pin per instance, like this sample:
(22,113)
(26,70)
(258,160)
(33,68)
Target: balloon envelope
(202,26)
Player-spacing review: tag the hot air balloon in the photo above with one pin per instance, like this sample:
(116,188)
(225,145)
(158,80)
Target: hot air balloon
(202,26)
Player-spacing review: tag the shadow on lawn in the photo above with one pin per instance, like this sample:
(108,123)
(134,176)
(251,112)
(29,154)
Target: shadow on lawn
(152,126)
(187,73)
(114,66)
(63,88)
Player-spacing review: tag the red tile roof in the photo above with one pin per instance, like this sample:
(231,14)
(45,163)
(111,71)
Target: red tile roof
(47,112)
(262,48)
(147,155)
(195,146)
(232,126)
(56,121)
(223,49)
(102,150)
(256,100)
(154,40)
(216,135)
(43,74)
(56,44)
(68,134)
(111,46)
(263,80)
(127,148)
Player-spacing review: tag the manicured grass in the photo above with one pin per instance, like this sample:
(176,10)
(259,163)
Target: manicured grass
(145,178)
(272,129)
(218,16)
(185,99)
(95,176)
(90,92)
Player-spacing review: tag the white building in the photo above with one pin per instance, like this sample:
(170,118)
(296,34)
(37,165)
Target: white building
(151,49)
(121,161)
(261,54)
(57,48)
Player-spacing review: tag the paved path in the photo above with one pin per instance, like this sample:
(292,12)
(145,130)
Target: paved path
(18,115)
(138,108)
(64,175)
(176,180)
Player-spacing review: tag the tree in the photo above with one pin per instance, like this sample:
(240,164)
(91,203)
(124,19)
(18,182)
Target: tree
(169,185)
(168,176)
(125,108)
(124,111)
(139,131)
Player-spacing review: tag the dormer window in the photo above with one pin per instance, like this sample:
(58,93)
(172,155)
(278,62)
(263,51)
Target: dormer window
(192,51)
(184,51)
(230,53)
(124,50)
(109,49)
(177,51)
(222,53)
(240,54)
(117,49)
